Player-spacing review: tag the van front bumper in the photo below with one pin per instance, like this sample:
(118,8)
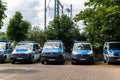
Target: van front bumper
(21,57)
(52,57)
(114,59)
(2,58)
(80,58)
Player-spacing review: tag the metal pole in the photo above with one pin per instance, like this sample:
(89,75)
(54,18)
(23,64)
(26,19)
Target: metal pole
(61,7)
(71,10)
(58,8)
(55,8)
(45,16)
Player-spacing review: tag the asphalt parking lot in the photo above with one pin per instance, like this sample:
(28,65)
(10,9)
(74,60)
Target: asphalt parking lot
(37,71)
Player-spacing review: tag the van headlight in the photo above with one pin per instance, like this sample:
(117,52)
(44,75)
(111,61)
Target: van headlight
(74,53)
(90,53)
(110,53)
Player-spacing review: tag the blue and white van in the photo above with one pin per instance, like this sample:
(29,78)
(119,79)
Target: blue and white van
(53,51)
(82,52)
(5,50)
(111,52)
(26,51)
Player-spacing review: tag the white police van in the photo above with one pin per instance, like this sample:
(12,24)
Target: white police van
(26,51)
(111,52)
(53,51)
(82,52)
(5,50)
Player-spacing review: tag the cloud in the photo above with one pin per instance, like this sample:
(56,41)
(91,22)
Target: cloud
(33,10)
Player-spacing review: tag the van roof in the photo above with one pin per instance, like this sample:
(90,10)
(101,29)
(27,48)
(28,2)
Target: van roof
(81,42)
(54,41)
(113,42)
(27,42)
(4,41)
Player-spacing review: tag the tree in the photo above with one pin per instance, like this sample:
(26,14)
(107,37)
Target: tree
(17,29)
(102,21)
(63,28)
(2,12)
(38,35)
(2,36)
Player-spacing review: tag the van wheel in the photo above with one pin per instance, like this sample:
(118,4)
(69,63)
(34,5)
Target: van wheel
(73,63)
(32,60)
(104,61)
(38,59)
(13,62)
(42,62)
(3,61)
(92,62)
(62,62)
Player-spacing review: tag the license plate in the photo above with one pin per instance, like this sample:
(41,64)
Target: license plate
(118,59)
(83,59)
(19,58)
(51,59)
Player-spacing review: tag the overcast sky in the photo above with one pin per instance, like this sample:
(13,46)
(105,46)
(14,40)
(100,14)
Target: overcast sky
(33,10)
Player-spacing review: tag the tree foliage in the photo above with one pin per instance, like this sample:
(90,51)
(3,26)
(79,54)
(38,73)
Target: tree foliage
(63,28)
(17,29)
(38,35)
(2,36)
(2,12)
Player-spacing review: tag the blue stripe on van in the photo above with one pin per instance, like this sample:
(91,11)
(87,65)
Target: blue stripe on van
(82,51)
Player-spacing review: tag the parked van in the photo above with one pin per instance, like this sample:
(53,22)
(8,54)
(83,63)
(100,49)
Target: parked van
(82,52)
(5,50)
(111,52)
(53,51)
(26,51)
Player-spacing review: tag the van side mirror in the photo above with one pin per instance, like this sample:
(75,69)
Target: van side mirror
(105,48)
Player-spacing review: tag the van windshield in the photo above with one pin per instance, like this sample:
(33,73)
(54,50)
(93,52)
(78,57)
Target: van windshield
(2,46)
(24,46)
(52,45)
(114,45)
(82,46)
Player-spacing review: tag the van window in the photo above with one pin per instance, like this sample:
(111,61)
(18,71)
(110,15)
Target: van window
(37,46)
(82,46)
(114,45)
(52,45)
(2,45)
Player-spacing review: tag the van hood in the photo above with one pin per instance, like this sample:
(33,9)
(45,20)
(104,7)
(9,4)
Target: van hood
(1,51)
(47,50)
(81,51)
(23,51)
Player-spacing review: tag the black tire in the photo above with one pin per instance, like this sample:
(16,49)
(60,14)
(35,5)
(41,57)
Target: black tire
(73,63)
(42,62)
(62,62)
(32,61)
(92,62)
(38,59)
(104,61)
(13,62)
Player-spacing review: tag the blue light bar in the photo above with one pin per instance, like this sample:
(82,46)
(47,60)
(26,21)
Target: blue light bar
(4,41)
